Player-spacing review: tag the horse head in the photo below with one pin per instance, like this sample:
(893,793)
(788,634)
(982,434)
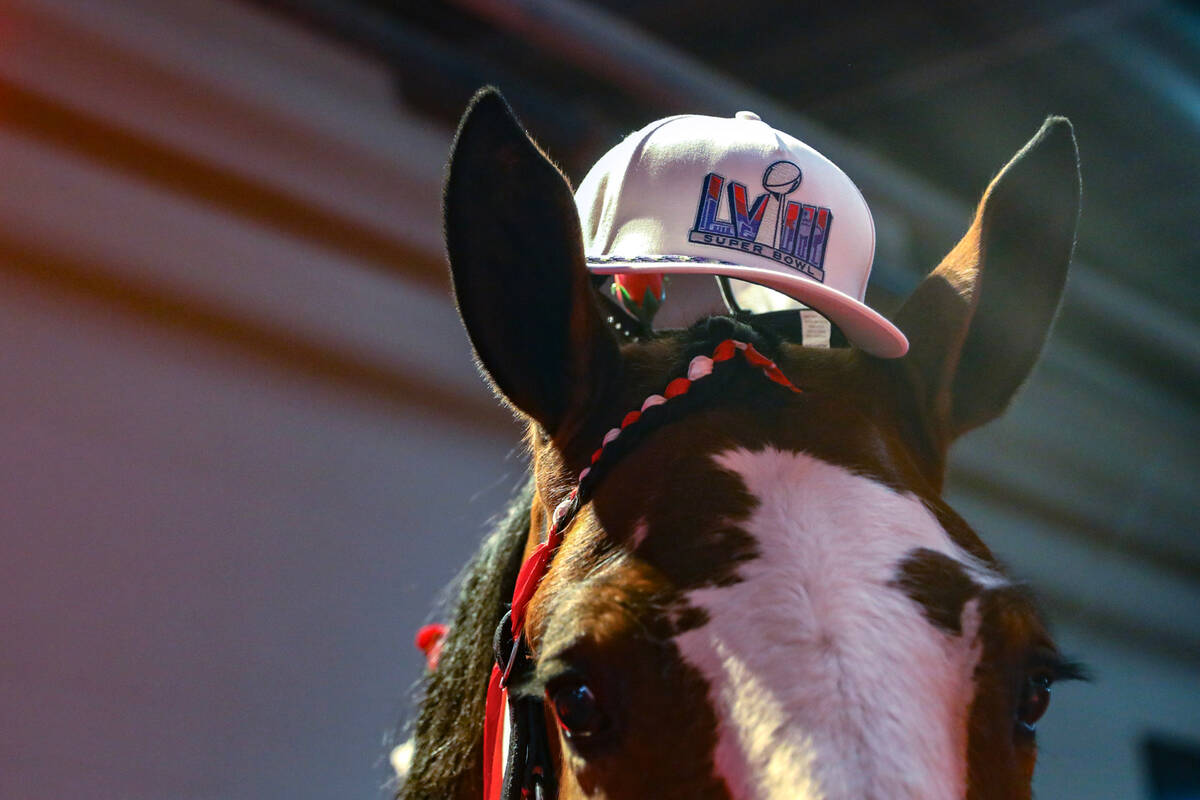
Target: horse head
(764,595)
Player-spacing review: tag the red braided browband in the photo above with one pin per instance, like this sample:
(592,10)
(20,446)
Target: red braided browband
(700,368)
(535,567)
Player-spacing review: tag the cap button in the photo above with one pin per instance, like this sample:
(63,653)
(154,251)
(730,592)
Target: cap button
(750,115)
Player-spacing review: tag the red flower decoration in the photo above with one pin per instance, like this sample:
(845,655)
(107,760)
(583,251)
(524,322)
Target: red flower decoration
(429,641)
(640,293)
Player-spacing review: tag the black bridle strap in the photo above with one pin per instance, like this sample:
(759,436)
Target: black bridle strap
(526,767)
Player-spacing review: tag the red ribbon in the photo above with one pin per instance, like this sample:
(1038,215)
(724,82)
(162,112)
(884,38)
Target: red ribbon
(493,740)
(527,582)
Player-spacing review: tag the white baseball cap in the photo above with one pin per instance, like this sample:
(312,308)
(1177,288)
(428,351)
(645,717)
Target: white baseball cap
(708,195)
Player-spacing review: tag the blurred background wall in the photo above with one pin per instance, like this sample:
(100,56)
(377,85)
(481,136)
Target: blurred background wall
(244,446)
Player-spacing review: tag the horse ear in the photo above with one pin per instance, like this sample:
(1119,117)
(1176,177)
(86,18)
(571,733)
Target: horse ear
(516,259)
(977,324)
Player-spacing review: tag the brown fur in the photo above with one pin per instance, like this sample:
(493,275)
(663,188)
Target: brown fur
(600,590)
(609,607)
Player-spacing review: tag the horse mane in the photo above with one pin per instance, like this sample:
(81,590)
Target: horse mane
(448,733)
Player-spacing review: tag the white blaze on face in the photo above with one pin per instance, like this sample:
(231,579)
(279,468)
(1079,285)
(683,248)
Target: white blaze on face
(828,681)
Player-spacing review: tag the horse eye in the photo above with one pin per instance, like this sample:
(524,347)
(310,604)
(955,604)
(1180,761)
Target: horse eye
(577,709)
(1034,701)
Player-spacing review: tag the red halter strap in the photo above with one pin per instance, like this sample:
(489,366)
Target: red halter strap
(503,751)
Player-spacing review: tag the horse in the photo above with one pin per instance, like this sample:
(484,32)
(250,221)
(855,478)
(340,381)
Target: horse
(756,590)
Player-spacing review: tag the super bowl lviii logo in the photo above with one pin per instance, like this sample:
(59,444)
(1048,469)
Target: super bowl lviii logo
(795,235)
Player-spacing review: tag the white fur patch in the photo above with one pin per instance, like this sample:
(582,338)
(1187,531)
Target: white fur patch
(401,758)
(828,681)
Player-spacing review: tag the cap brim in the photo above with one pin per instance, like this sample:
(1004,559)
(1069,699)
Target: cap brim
(862,325)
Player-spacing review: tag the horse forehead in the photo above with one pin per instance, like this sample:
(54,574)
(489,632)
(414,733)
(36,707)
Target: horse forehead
(820,649)
(829,529)
(798,490)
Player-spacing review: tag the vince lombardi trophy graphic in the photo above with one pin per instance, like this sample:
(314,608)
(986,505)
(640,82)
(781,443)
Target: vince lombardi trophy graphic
(780,180)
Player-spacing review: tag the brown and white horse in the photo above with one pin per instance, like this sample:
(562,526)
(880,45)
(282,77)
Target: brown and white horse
(765,596)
